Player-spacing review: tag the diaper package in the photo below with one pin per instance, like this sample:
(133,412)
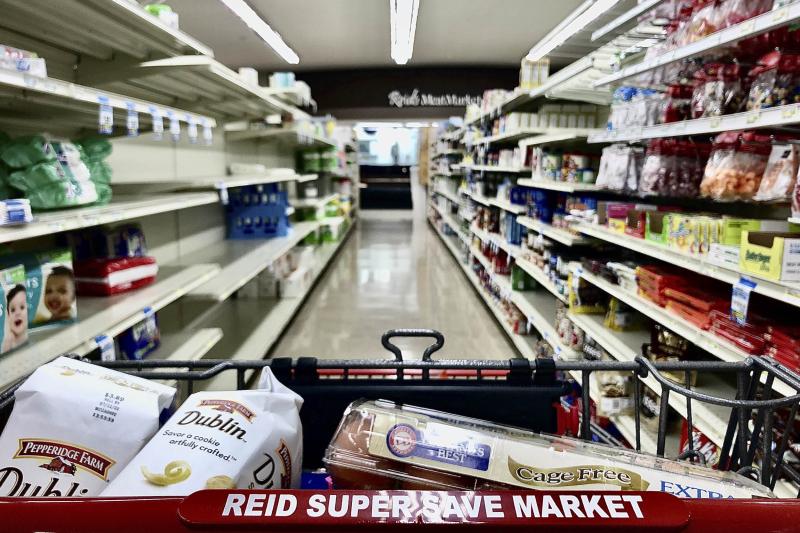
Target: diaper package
(142,339)
(50,284)
(249,439)
(13,308)
(95,152)
(383,446)
(51,174)
(74,427)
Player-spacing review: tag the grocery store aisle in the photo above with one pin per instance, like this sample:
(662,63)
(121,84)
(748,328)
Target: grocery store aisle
(394,272)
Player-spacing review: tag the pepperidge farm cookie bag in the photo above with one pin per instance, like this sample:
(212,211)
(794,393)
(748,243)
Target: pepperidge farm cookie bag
(248,439)
(74,427)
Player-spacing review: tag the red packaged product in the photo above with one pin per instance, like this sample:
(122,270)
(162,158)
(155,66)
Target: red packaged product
(745,341)
(677,104)
(690,314)
(104,277)
(700,444)
(724,321)
(696,299)
(737,11)
(776,81)
(718,91)
(660,277)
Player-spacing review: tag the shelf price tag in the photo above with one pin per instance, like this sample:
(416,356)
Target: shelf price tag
(174,126)
(789,111)
(158,123)
(132,121)
(208,133)
(754,116)
(191,129)
(105,119)
(106,346)
(740,299)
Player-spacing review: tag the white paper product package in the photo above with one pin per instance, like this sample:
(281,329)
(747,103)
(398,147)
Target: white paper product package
(74,427)
(248,439)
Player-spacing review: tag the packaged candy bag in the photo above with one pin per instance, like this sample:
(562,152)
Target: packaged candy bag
(248,439)
(74,427)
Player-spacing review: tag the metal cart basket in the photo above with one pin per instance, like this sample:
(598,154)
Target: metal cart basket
(526,393)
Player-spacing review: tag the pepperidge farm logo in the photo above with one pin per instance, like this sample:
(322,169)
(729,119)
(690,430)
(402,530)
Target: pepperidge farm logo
(229,406)
(64,458)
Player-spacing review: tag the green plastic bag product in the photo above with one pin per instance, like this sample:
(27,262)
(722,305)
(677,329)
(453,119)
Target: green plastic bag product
(95,148)
(103,193)
(24,152)
(99,172)
(63,194)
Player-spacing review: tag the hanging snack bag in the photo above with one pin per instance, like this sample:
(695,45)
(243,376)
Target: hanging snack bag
(13,308)
(781,174)
(74,427)
(381,445)
(248,439)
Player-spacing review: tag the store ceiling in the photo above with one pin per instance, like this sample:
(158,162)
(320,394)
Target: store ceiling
(342,34)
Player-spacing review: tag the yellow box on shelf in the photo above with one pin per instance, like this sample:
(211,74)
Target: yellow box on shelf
(771,255)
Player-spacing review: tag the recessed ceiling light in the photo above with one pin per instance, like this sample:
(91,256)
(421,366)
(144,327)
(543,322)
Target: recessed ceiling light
(403,22)
(260,26)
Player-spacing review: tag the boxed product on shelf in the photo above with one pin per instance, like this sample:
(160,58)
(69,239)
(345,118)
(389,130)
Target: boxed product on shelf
(532,74)
(748,337)
(106,277)
(16,211)
(656,227)
(771,255)
(701,444)
(257,212)
(724,255)
(667,346)
(256,438)
(74,427)
(140,340)
(22,61)
(296,284)
(126,240)
(381,445)
(50,285)
(13,308)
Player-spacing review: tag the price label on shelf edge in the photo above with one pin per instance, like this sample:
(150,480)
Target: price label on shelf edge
(158,123)
(106,345)
(174,126)
(191,129)
(132,120)
(105,118)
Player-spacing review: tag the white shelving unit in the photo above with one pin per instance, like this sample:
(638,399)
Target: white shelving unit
(492,168)
(61,103)
(759,118)
(561,186)
(783,291)
(301,203)
(511,249)
(523,343)
(557,234)
(507,206)
(101,28)
(478,198)
(103,316)
(454,225)
(216,182)
(187,345)
(540,277)
(558,135)
(253,326)
(242,260)
(294,138)
(540,309)
(450,196)
(121,208)
(743,30)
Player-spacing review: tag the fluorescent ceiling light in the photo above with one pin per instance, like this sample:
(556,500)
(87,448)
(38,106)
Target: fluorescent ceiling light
(575,22)
(259,25)
(403,23)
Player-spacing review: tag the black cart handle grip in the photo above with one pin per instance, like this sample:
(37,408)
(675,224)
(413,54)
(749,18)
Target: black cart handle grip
(426,355)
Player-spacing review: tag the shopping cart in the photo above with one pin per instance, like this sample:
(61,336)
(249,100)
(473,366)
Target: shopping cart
(524,393)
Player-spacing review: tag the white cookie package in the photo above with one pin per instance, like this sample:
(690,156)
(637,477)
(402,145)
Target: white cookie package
(74,427)
(249,439)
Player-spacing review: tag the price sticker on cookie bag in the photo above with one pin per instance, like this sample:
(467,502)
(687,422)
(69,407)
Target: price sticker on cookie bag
(106,345)
(174,126)
(158,123)
(191,129)
(132,120)
(105,118)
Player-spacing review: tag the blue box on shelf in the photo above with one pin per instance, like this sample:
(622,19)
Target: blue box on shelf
(257,212)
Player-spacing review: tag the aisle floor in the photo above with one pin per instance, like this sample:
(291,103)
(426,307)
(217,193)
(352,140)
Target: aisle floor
(393,272)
